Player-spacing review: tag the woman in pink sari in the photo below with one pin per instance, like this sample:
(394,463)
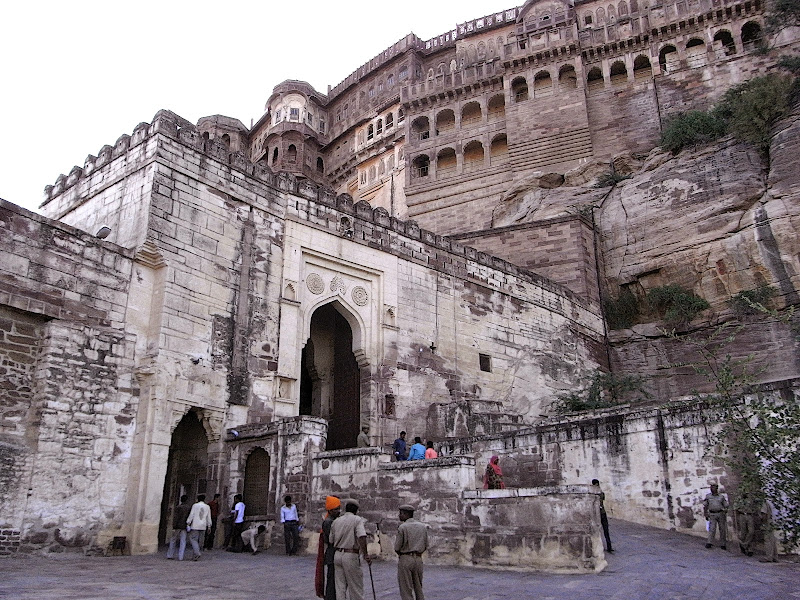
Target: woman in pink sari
(493,477)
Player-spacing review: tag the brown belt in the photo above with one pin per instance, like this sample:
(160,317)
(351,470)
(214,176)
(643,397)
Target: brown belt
(411,553)
(347,550)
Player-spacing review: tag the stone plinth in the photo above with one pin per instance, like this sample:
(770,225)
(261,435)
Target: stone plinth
(553,529)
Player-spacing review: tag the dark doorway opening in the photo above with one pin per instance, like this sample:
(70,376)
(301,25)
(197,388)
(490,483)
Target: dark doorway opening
(330,379)
(187,468)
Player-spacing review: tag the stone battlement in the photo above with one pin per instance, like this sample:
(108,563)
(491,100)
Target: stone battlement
(179,129)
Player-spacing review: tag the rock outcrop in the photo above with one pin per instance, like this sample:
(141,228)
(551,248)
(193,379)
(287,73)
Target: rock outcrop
(717,220)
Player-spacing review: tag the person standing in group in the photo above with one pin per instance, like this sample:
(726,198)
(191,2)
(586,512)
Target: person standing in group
(493,476)
(768,527)
(198,522)
(349,538)
(326,571)
(250,537)
(362,441)
(179,528)
(410,543)
(715,510)
(212,532)
(399,447)
(430,452)
(237,513)
(603,515)
(417,451)
(291,526)
(744,521)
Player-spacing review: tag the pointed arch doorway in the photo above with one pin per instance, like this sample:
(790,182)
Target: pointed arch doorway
(330,378)
(187,468)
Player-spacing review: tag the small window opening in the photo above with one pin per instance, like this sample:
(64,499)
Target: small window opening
(485,362)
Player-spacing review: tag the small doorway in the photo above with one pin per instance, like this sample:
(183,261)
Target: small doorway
(187,468)
(330,377)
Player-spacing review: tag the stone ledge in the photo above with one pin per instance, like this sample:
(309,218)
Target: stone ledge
(429,463)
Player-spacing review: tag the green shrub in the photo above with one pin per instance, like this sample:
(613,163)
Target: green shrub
(621,312)
(751,109)
(602,390)
(610,179)
(675,304)
(750,302)
(691,128)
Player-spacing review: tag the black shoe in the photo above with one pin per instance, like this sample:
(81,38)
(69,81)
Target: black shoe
(611,550)
(709,545)
(749,554)
(723,547)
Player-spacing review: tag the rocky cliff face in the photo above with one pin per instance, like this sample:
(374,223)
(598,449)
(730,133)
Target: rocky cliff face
(717,220)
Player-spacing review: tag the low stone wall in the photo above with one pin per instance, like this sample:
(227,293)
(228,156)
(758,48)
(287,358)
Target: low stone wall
(553,529)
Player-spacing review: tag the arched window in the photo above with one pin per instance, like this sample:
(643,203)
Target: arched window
(401,116)
(379,126)
(497,108)
(594,79)
(724,44)
(371,174)
(256,483)
(751,35)
(470,114)
(642,67)
(498,151)
(420,166)
(668,58)
(445,121)
(446,163)
(519,89)
(601,16)
(389,121)
(291,153)
(421,128)
(542,84)
(320,165)
(473,156)
(567,78)
(226,139)
(634,6)
(622,9)
(619,74)
(612,13)
(205,136)
(370,131)
(695,53)
(275,155)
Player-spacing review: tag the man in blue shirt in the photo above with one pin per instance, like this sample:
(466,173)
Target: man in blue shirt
(417,451)
(399,447)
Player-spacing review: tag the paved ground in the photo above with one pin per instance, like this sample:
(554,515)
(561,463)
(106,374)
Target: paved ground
(648,564)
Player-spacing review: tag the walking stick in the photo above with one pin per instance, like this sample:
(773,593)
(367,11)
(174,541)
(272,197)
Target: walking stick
(372,581)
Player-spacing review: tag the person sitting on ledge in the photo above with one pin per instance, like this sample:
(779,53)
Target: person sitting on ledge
(417,451)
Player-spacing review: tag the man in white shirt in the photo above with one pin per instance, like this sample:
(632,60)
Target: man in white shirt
(199,520)
(291,526)
(237,512)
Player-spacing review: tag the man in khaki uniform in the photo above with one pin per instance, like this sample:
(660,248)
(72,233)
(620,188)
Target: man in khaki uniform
(410,543)
(349,537)
(715,510)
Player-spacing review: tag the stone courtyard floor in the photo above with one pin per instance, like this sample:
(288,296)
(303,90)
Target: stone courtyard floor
(648,564)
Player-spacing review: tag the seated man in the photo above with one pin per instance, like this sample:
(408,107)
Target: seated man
(250,536)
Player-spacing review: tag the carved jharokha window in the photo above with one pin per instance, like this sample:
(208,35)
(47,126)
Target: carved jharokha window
(256,483)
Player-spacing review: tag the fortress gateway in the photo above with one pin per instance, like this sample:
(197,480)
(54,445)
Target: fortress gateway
(211,308)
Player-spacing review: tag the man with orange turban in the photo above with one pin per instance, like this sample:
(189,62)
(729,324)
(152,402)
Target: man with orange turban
(326,586)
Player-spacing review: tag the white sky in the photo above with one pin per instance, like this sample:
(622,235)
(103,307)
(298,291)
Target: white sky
(75,76)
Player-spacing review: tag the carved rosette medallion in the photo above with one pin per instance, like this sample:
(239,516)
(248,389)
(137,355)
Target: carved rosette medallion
(315,284)
(359,295)
(337,285)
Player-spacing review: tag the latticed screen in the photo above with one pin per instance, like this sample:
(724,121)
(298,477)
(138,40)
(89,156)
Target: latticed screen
(256,483)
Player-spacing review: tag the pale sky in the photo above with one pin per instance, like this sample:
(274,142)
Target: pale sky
(77,75)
